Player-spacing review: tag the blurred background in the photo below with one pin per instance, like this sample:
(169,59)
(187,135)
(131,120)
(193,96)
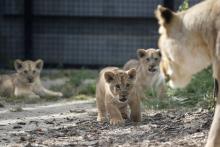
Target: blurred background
(78,33)
(76,38)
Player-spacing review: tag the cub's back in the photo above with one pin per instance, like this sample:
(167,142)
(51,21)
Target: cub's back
(133,63)
(7,84)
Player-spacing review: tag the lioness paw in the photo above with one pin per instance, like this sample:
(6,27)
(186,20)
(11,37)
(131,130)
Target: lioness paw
(116,121)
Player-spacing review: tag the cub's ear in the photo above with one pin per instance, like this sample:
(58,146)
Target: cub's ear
(132,73)
(164,15)
(141,53)
(39,64)
(18,64)
(109,76)
(159,52)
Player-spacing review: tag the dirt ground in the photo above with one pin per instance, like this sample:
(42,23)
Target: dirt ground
(73,123)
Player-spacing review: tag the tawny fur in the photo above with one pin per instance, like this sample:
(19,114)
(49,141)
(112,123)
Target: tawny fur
(146,79)
(114,91)
(189,42)
(25,82)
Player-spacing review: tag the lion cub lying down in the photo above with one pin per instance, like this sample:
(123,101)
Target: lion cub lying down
(26,81)
(114,90)
(148,72)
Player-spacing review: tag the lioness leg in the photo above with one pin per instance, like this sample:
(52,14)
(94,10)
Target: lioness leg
(218,45)
(214,133)
(216,86)
(115,114)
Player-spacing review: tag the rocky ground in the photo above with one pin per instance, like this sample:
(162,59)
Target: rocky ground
(73,123)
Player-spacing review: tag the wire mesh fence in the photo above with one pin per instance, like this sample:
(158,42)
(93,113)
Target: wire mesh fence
(77,32)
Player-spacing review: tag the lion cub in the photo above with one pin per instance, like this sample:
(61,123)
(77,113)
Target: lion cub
(26,81)
(148,72)
(114,90)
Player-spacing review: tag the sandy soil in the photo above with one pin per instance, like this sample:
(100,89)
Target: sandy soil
(66,123)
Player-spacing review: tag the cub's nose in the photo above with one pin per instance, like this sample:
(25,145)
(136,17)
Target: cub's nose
(30,80)
(152,68)
(123,98)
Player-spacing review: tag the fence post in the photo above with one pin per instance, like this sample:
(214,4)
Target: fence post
(169,4)
(28,53)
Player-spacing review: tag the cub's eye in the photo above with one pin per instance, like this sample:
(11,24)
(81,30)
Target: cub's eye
(148,59)
(34,71)
(25,71)
(127,85)
(156,59)
(117,86)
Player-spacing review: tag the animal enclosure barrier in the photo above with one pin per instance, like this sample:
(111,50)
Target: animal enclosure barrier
(77,33)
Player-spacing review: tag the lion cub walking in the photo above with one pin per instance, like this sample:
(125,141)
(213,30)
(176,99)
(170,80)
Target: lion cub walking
(114,90)
(26,81)
(148,72)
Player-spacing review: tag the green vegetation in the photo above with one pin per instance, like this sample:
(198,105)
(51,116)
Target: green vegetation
(79,85)
(198,93)
(184,6)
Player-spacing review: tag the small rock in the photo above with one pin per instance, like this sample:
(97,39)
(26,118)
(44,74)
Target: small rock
(21,123)
(91,143)
(92,113)
(49,122)
(77,111)
(34,122)
(22,138)
(28,145)
(17,127)
(1,105)
(16,109)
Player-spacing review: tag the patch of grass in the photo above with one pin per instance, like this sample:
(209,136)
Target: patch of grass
(80,82)
(157,103)
(199,93)
(78,76)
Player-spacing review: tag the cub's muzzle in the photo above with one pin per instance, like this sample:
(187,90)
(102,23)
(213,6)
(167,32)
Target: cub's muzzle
(123,98)
(152,68)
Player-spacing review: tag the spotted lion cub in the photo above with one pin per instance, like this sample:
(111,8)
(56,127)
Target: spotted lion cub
(148,72)
(26,81)
(114,93)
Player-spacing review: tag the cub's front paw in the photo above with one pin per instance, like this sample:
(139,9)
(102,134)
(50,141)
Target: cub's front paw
(125,116)
(59,94)
(33,96)
(115,121)
(101,119)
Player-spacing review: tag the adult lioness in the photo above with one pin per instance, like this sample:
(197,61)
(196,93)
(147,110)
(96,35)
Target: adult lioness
(189,42)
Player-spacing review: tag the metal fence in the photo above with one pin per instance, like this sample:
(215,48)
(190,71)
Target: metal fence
(77,33)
